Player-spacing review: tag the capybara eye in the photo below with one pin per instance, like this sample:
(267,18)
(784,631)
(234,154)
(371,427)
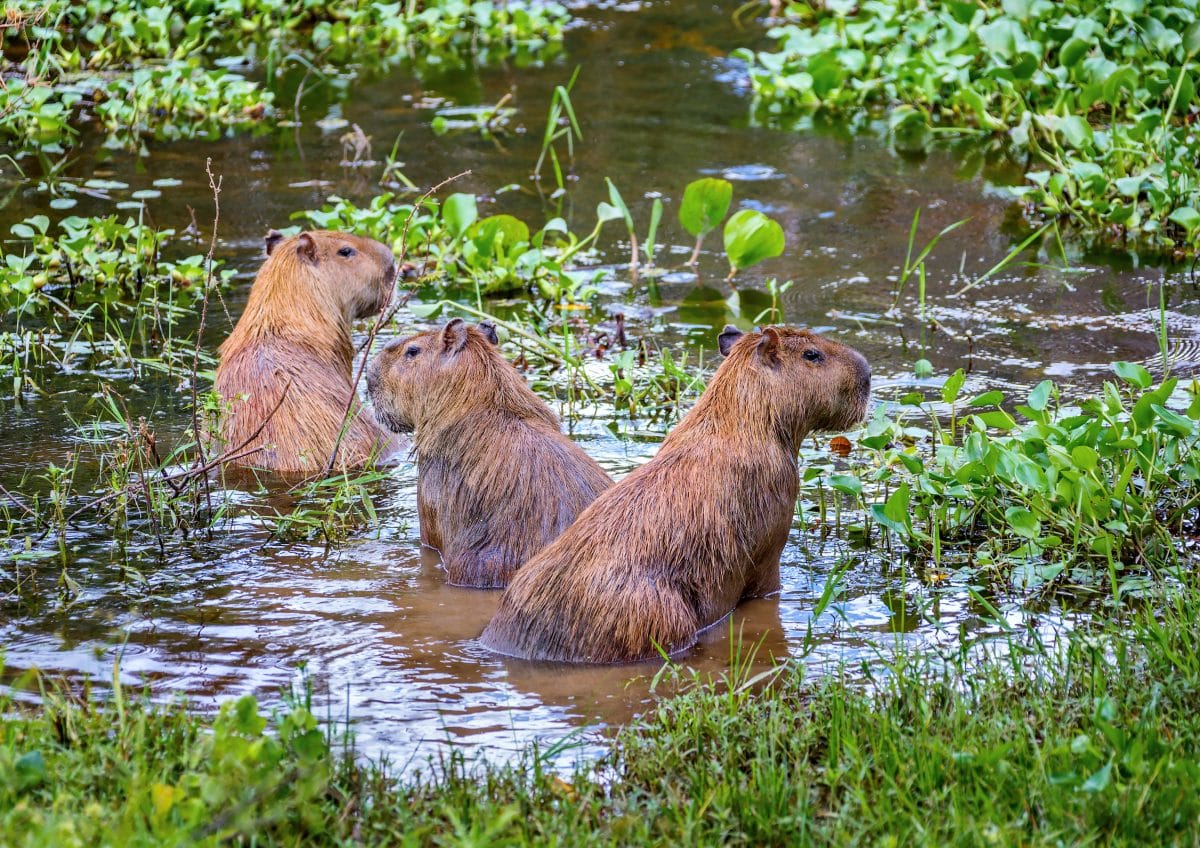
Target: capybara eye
(813,355)
(411,351)
(346,251)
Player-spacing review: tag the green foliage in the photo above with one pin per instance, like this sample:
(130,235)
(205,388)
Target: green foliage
(97,260)
(1095,742)
(704,206)
(751,237)
(1103,488)
(144,69)
(496,254)
(1102,95)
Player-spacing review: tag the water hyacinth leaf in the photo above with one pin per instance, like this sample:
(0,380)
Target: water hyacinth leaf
(1085,457)
(505,229)
(459,212)
(1023,522)
(606,212)
(1132,373)
(922,369)
(1077,132)
(997,419)
(1040,396)
(1186,217)
(1173,421)
(953,386)
(705,204)
(987,398)
(846,483)
(893,514)
(751,237)
(1073,51)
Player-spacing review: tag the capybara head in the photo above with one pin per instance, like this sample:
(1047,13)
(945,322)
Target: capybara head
(350,273)
(814,383)
(438,375)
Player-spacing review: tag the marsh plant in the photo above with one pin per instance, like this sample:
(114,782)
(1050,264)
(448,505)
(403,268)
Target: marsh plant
(1106,491)
(1097,98)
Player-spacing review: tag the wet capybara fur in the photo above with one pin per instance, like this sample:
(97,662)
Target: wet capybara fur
(285,370)
(673,547)
(496,478)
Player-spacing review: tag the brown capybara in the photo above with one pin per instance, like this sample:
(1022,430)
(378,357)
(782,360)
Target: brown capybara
(496,478)
(673,547)
(293,343)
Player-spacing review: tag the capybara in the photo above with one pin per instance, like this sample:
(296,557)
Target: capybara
(673,547)
(496,478)
(284,375)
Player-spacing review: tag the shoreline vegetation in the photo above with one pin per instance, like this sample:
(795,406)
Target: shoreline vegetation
(1093,739)
(1097,99)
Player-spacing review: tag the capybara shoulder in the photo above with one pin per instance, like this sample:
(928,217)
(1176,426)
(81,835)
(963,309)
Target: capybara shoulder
(496,478)
(284,374)
(673,547)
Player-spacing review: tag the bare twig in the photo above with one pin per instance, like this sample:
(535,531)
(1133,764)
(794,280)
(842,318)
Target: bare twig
(214,183)
(362,365)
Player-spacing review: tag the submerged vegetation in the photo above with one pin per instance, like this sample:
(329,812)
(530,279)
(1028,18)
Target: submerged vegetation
(1097,98)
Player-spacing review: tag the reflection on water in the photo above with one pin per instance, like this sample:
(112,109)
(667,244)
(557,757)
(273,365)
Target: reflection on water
(374,623)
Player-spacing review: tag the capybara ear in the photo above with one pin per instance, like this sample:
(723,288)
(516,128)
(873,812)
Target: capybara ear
(769,346)
(454,336)
(728,339)
(488,328)
(306,247)
(272,240)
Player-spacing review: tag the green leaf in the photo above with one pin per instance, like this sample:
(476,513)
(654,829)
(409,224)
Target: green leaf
(998,419)
(894,513)
(459,212)
(751,237)
(1085,457)
(1040,396)
(1023,522)
(614,197)
(846,483)
(1132,373)
(1073,51)
(1076,131)
(497,231)
(1184,216)
(705,203)
(30,770)
(922,369)
(987,398)
(953,386)
(606,212)
(1099,781)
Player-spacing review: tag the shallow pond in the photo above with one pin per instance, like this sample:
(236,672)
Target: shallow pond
(381,636)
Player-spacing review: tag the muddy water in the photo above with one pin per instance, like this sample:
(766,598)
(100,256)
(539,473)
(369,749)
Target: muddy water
(373,624)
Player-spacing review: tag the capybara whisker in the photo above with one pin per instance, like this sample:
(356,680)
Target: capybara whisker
(496,478)
(296,330)
(673,547)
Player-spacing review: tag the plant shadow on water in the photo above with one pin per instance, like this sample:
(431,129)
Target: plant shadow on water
(372,620)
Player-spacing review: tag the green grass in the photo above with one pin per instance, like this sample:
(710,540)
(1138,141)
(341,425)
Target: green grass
(1094,742)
